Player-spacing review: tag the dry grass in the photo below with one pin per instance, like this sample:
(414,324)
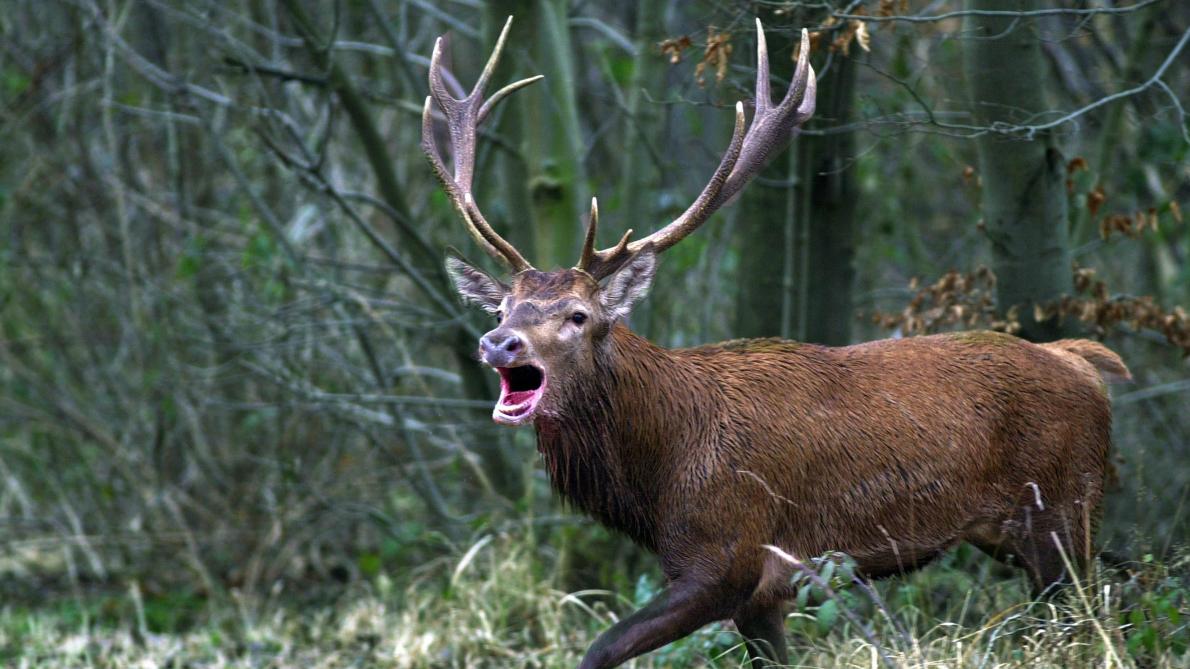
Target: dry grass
(492,608)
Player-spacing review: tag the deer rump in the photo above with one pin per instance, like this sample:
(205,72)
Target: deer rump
(890,451)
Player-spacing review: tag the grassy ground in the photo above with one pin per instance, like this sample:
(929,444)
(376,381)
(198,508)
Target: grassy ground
(492,607)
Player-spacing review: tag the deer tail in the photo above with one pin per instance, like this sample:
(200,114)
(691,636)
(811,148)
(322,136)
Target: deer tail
(1109,365)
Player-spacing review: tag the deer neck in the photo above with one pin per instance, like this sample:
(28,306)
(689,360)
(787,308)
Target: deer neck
(616,434)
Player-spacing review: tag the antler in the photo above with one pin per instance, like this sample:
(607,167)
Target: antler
(772,127)
(462,118)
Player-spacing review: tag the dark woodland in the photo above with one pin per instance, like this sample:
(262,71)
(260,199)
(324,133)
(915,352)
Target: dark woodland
(250,307)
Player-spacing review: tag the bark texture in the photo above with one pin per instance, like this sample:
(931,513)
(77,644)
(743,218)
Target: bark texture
(826,213)
(1024,192)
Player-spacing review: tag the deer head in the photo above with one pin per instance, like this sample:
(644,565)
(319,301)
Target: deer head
(552,324)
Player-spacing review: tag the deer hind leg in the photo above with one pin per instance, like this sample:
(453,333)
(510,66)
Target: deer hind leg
(1047,543)
(763,627)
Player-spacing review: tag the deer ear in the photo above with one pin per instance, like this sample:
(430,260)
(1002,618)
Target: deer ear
(629,284)
(475,286)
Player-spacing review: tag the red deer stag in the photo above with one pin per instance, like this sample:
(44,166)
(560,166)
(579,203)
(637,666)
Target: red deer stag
(891,451)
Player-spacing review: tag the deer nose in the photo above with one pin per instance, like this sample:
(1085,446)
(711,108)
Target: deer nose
(500,348)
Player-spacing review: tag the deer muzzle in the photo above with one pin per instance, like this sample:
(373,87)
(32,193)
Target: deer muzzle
(501,348)
(522,383)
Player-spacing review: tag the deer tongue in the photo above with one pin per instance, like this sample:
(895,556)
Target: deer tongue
(514,398)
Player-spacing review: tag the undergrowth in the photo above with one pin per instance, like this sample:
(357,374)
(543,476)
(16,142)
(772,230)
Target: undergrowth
(499,605)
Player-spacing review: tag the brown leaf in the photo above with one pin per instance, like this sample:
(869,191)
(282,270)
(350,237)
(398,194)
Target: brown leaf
(674,46)
(1095,198)
(862,38)
(815,40)
(717,54)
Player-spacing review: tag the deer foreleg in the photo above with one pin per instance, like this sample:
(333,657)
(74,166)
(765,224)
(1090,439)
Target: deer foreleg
(763,629)
(678,610)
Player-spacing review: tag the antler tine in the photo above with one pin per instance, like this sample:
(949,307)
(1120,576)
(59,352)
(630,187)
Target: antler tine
(763,92)
(770,130)
(803,90)
(499,95)
(493,60)
(463,117)
(588,254)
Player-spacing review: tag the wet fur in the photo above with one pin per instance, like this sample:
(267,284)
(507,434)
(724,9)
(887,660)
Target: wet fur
(890,451)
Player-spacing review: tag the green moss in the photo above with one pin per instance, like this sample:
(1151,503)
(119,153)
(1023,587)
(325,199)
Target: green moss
(985,337)
(763,345)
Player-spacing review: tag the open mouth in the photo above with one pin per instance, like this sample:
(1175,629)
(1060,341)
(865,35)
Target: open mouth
(521,389)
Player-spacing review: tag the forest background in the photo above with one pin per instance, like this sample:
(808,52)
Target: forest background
(241,423)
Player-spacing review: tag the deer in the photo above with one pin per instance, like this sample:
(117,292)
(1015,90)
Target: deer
(721,457)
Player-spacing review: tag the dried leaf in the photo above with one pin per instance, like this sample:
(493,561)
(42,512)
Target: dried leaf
(717,54)
(862,38)
(674,46)
(815,40)
(1094,199)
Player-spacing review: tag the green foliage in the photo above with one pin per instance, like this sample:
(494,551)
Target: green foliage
(1153,613)
(14,82)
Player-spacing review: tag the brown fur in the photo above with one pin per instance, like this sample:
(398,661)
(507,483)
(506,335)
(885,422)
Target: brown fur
(891,451)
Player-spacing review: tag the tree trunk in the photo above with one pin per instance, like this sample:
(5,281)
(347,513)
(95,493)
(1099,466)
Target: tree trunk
(765,227)
(639,184)
(504,186)
(553,184)
(1024,197)
(825,214)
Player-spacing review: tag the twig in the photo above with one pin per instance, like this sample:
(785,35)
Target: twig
(995,12)
(1154,80)
(1154,391)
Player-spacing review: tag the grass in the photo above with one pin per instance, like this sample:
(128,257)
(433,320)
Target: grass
(498,606)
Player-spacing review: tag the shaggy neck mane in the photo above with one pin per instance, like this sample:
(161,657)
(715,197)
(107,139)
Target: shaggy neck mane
(601,445)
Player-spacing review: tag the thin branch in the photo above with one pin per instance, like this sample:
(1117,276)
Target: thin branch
(1028,131)
(1177,105)
(150,71)
(1154,391)
(276,72)
(1091,11)
(1155,80)
(607,31)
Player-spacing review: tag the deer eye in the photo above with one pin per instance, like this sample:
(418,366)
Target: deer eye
(499,316)
(578,318)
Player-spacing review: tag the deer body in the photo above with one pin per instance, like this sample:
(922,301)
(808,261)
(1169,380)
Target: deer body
(891,451)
